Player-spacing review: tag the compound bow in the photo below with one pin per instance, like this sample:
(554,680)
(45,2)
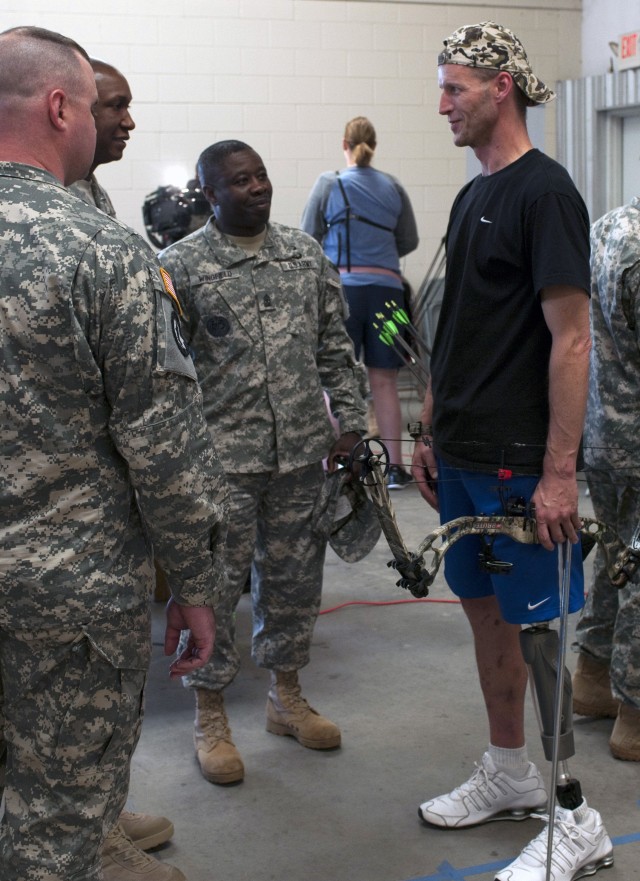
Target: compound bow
(370,460)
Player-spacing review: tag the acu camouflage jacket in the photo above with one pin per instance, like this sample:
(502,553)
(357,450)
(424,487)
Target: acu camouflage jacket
(268,336)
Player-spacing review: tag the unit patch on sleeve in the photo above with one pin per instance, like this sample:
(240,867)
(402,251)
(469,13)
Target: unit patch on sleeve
(173,352)
(177,334)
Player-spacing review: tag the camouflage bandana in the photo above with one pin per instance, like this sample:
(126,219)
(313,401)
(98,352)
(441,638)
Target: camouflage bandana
(490,45)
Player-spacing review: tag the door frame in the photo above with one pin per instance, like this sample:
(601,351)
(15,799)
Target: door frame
(589,124)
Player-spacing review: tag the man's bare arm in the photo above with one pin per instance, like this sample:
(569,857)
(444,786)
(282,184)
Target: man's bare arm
(566,312)
(423,465)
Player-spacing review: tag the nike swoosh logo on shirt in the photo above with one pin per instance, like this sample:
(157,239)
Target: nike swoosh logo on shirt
(532,606)
(484,220)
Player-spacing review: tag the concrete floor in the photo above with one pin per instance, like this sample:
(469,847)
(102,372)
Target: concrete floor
(399,677)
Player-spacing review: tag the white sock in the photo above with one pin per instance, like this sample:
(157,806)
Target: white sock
(514,761)
(580,813)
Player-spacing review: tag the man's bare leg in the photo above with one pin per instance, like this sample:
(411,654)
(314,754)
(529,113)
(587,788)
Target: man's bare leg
(501,669)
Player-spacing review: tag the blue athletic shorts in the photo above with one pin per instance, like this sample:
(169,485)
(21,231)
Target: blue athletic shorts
(364,302)
(531,590)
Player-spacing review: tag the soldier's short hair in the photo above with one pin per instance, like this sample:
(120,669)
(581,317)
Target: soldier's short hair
(30,55)
(212,158)
(47,36)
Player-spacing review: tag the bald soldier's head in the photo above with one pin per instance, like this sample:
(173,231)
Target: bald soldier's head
(47,96)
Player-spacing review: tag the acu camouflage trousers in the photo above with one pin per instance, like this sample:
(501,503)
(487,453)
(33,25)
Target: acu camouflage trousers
(270,536)
(609,624)
(69,722)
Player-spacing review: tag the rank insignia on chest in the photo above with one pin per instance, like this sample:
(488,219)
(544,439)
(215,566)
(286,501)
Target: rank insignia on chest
(265,302)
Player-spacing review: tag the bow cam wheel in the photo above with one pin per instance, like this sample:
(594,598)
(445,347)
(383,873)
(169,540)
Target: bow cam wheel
(367,453)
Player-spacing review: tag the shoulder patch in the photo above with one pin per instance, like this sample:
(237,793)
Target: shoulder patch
(169,288)
(173,353)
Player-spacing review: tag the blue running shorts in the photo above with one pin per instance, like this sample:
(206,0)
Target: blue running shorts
(530,592)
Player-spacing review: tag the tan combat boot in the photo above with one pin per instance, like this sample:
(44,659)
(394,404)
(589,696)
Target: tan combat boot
(288,713)
(123,861)
(217,755)
(624,742)
(592,689)
(146,831)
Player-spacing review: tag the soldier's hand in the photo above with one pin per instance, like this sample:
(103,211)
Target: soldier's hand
(201,623)
(342,448)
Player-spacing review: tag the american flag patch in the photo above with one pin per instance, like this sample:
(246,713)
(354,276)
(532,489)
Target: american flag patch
(169,288)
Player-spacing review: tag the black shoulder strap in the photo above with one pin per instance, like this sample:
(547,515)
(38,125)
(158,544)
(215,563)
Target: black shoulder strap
(349,216)
(347,220)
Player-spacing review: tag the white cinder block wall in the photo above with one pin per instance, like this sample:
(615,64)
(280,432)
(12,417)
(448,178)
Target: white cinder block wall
(285,76)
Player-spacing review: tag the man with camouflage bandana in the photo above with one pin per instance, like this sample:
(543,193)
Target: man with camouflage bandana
(265,317)
(503,419)
(607,678)
(103,445)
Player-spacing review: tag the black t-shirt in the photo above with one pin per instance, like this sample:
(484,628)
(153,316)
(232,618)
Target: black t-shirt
(510,234)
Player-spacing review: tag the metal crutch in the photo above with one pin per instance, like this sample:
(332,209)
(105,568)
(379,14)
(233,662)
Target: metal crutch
(557,722)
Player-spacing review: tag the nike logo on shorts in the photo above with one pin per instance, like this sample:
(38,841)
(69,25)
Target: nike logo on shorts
(532,606)
(484,220)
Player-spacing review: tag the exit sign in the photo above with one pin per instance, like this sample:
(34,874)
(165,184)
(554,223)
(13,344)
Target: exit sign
(629,50)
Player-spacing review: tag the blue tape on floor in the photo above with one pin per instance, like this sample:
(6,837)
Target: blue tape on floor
(447,872)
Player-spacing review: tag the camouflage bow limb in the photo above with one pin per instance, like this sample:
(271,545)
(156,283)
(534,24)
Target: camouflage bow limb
(621,561)
(519,528)
(373,467)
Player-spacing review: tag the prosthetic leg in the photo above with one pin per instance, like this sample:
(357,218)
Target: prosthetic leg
(544,651)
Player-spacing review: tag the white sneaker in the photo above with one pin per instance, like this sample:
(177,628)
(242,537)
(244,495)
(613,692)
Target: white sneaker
(489,794)
(581,846)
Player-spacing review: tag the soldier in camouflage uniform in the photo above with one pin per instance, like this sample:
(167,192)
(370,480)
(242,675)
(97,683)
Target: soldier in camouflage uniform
(113,124)
(265,317)
(607,678)
(103,449)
